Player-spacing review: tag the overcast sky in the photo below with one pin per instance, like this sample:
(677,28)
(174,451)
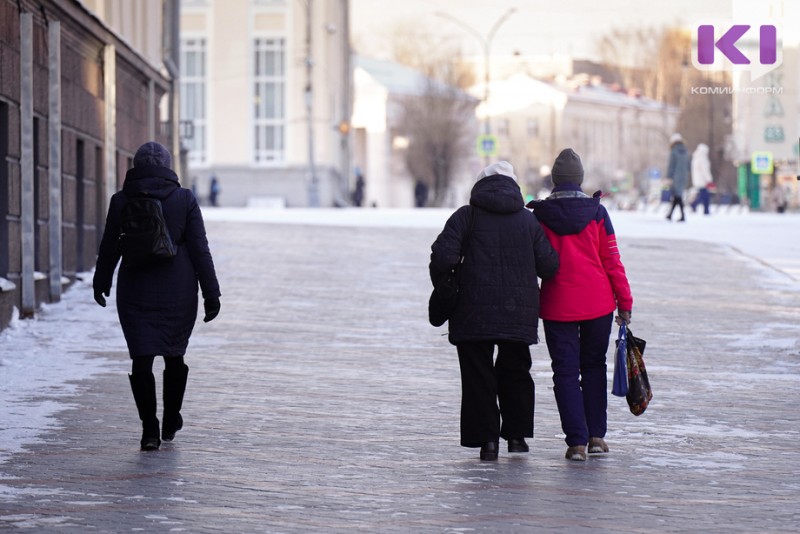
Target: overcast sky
(537,27)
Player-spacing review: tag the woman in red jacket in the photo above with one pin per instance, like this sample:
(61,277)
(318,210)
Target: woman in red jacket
(577,305)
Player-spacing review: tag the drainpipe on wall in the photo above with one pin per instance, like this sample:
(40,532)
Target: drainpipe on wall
(313,186)
(347,104)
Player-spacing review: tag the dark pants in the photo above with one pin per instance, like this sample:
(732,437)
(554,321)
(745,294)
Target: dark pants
(485,382)
(704,198)
(677,200)
(578,359)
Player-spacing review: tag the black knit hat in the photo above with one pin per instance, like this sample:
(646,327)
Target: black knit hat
(567,168)
(153,154)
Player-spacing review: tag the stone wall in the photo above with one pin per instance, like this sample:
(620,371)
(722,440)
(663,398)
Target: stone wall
(83,136)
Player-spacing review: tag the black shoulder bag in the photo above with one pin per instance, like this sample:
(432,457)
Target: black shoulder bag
(444,296)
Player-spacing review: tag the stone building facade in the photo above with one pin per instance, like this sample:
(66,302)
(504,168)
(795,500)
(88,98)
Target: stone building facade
(76,101)
(266,98)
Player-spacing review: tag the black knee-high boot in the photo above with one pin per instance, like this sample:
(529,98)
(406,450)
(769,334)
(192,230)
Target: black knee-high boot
(143,386)
(174,387)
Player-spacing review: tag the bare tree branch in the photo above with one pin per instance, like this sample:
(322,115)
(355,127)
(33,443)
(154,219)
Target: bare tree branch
(438,122)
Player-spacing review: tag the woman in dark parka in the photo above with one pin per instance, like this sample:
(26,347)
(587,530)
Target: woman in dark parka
(678,169)
(498,306)
(157,304)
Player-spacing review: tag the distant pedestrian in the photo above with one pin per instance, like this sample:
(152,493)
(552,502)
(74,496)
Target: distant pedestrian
(214,190)
(577,305)
(420,194)
(701,177)
(498,307)
(778,196)
(157,303)
(358,192)
(677,173)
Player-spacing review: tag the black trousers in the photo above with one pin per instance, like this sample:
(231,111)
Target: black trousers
(677,201)
(492,391)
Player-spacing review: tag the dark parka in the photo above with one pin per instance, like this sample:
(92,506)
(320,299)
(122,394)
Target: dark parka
(678,168)
(499,296)
(157,305)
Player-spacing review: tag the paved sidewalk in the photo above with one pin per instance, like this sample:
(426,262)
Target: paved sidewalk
(321,401)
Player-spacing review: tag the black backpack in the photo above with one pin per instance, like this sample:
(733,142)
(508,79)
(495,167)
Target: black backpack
(144,237)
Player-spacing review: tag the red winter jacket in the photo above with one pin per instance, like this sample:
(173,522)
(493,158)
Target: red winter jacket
(591,281)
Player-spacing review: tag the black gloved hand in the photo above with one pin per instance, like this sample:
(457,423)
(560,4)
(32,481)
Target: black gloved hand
(211,306)
(99,298)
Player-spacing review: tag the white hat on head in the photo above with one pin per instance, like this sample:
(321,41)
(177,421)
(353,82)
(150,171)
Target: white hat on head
(675,138)
(501,167)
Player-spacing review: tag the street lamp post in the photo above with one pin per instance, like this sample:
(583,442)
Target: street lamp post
(486,44)
(313,184)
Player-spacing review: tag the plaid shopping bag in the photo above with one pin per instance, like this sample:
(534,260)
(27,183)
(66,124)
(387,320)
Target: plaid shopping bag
(639,391)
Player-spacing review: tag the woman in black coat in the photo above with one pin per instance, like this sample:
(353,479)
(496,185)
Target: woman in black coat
(157,302)
(498,305)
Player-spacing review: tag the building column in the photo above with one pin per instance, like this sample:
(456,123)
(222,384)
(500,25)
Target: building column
(54,125)
(110,138)
(28,304)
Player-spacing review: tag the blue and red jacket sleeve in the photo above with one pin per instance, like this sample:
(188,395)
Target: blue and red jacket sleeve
(612,262)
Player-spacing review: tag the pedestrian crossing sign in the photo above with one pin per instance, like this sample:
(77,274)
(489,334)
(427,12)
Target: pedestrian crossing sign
(761,163)
(487,145)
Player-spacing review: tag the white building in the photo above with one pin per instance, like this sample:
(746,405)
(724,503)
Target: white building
(766,120)
(622,138)
(381,88)
(266,98)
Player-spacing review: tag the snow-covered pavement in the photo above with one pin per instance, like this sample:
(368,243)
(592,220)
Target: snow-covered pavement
(40,359)
(278,434)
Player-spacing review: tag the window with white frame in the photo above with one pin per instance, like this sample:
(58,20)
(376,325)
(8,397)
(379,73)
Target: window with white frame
(193,103)
(269,105)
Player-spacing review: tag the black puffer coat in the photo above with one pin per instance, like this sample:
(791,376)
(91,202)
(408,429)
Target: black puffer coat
(499,297)
(157,305)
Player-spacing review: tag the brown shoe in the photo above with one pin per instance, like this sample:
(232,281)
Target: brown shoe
(597,445)
(576,453)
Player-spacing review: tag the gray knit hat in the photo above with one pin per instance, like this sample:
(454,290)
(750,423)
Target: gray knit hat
(153,154)
(567,168)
